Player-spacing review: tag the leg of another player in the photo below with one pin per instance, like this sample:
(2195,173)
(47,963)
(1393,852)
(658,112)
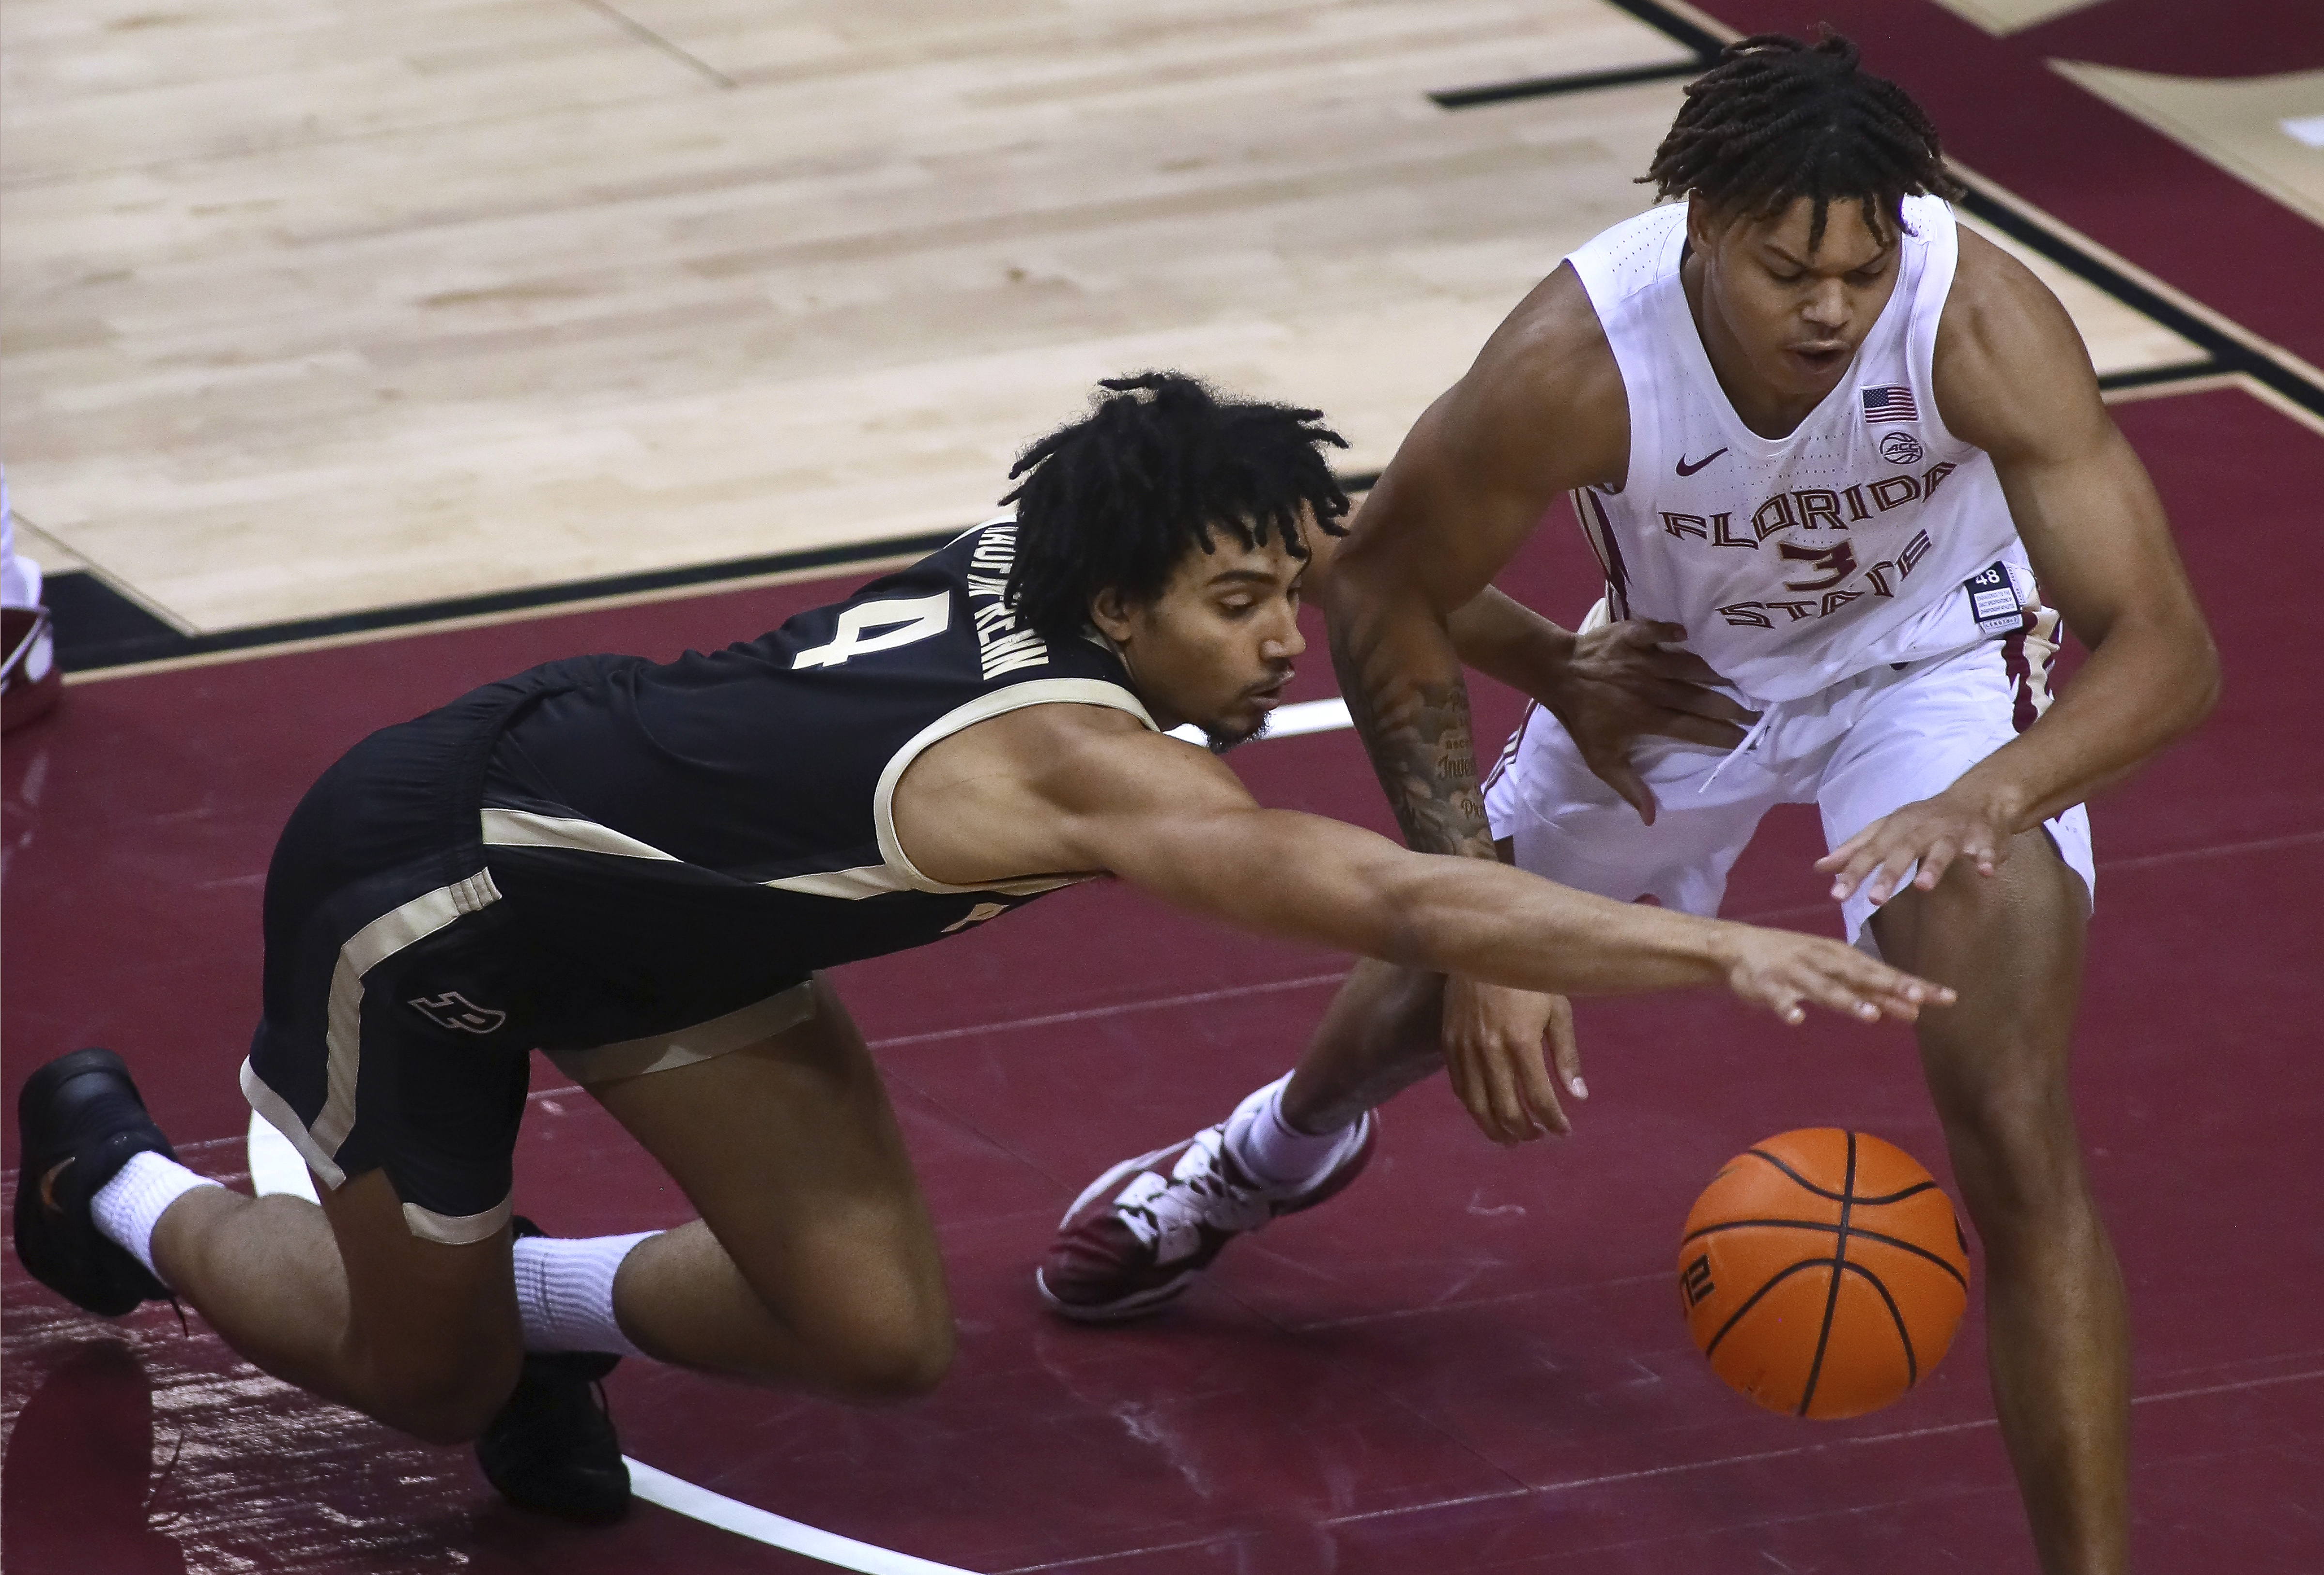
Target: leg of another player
(344,1301)
(815,1263)
(1382,1034)
(2057,1330)
(1379,1037)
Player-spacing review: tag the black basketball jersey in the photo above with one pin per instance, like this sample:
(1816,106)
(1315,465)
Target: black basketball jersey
(682,837)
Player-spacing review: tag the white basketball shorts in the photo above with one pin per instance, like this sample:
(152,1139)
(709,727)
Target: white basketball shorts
(1862,749)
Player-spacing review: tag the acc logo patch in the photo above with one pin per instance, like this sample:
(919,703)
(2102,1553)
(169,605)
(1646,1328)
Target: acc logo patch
(1901,448)
(455,1011)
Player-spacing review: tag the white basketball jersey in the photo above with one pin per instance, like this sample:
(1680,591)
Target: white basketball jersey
(1871,534)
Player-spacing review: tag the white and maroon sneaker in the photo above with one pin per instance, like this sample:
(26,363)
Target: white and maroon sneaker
(1137,1238)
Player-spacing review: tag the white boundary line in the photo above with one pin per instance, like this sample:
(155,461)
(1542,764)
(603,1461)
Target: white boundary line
(673,1493)
(275,1167)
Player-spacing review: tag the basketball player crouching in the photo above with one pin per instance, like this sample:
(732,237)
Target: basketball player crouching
(1827,439)
(641,867)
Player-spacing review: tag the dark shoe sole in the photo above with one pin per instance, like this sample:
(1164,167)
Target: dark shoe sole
(70,1255)
(552,1449)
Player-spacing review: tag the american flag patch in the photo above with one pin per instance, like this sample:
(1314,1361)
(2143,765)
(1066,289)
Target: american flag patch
(1888,405)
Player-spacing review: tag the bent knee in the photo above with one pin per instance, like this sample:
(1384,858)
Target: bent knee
(864,1353)
(903,1366)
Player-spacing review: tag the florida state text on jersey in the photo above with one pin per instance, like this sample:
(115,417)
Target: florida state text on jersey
(1795,562)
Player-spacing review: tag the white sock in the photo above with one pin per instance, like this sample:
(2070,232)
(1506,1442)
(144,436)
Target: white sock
(564,1290)
(1270,1151)
(127,1208)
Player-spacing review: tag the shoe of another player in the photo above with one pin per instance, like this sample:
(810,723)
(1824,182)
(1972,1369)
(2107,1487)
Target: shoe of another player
(1141,1233)
(79,1120)
(552,1447)
(30,681)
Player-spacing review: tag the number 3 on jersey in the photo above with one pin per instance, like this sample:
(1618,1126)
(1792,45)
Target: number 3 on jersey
(899,623)
(1838,562)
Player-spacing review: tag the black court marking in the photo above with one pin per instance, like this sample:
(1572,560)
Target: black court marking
(1842,1199)
(98,627)
(1831,1297)
(105,628)
(1859,1232)
(654,40)
(1549,87)
(1704,45)
(2223,353)
(2226,353)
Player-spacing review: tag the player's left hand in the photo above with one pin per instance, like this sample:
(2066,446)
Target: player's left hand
(1492,1040)
(1933,833)
(1632,681)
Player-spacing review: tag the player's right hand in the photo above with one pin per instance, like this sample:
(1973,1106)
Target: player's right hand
(1628,680)
(1781,969)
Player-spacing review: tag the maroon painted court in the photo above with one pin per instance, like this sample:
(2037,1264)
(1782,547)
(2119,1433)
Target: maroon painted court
(1474,1361)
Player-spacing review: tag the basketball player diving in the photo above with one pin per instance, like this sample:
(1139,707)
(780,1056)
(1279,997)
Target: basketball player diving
(642,869)
(1826,443)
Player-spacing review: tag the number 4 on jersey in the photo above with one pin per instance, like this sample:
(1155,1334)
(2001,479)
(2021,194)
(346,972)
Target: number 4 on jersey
(901,623)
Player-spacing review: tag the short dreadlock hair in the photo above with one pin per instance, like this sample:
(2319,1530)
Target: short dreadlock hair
(1778,119)
(1120,498)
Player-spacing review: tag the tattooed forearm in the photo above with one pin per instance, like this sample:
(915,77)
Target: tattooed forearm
(1421,744)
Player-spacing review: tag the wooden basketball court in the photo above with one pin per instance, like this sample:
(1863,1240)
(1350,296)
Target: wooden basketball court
(351,355)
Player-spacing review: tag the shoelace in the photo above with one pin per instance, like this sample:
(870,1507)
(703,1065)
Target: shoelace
(1198,1193)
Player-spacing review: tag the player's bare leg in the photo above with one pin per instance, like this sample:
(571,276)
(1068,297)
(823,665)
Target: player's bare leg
(1378,1038)
(815,1263)
(344,1301)
(2057,1330)
(1382,1034)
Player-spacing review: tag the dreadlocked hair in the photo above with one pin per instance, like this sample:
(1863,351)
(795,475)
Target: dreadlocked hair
(1159,466)
(1778,119)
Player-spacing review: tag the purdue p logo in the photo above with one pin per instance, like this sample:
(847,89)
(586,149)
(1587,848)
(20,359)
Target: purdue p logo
(455,1011)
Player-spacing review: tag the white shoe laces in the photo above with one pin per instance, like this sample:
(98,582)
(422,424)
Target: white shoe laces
(1169,1215)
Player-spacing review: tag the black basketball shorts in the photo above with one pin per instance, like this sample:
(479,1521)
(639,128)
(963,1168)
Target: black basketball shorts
(404,994)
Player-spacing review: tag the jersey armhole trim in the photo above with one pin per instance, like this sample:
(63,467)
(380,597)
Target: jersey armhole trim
(1015,696)
(1939,229)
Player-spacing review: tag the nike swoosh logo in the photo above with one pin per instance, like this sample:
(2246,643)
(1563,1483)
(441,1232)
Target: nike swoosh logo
(1686,470)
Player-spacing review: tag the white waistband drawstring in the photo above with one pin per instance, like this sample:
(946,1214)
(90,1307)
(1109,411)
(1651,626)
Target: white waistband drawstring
(1751,741)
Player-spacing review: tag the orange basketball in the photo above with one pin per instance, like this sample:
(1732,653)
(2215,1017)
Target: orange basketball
(1822,1273)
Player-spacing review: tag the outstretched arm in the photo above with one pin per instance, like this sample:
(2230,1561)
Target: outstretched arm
(1082,789)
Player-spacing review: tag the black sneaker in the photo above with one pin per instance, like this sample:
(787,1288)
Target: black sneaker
(79,1121)
(552,1446)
